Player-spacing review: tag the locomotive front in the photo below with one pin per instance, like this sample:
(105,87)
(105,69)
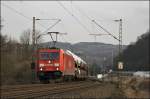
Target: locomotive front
(57,63)
(49,64)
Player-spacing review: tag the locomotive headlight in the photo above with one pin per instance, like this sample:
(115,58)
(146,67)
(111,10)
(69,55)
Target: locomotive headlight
(56,64)
(41,65)
(49,61)
(41,69)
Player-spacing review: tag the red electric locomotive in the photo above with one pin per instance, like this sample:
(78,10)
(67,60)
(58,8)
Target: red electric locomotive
(54,63)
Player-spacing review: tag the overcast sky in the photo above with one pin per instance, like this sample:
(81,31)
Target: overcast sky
(17,17)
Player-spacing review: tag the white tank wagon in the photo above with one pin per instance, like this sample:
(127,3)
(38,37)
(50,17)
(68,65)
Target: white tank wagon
(77,58)
(80,64)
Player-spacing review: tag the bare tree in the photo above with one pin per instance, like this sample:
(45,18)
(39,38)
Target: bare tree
(25,37)
(38,37)
(1,25)
(25,42)
(3,40)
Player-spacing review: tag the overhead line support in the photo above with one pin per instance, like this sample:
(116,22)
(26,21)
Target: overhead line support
(105,30)
(56,36)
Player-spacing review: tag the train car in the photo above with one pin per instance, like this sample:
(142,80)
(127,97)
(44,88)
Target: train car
(56,63)
(81,69)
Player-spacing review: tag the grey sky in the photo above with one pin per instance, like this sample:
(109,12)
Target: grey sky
(135,15)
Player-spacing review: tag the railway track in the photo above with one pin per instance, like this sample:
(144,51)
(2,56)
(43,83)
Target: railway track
(45,90)
(28,86)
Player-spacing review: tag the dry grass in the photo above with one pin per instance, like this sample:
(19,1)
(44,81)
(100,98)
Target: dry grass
(139,88)
(103,90)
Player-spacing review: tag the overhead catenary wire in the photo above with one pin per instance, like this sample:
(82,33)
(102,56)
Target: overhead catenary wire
(79,9)
(19,13)
(105,30)
(83,13)
(51,26)
(97,23)
(63,27)
(16,11)
(28,18)
(73,16)
(71,6)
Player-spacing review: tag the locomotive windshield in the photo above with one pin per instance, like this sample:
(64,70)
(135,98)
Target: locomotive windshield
(51,55)
(54,55)
(44,56)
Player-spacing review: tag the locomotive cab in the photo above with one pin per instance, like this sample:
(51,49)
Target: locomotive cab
(54,63)
(49,64)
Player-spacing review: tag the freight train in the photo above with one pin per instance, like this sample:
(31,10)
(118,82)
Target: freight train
(55,63)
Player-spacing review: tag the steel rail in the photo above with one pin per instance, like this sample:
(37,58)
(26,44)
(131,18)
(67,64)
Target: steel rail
(38,91)
(28,86)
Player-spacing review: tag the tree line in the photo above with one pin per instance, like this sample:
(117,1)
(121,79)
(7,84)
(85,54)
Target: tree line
(136,56)
(16,58)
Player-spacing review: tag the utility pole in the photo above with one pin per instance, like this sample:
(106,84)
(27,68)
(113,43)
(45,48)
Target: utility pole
(120,38)
(95,35)
(120,63)
(33,33)
(33,64)
(33,42)
(103,63)
(33,48)
(112,55)
(35,37)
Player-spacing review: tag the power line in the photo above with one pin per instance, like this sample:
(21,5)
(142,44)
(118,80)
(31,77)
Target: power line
(95,35)
(16,11)
(63,26)
(97,24)
(105,30)
(19,13)
(58,20)
(79,9)
(52,26)
(73,16)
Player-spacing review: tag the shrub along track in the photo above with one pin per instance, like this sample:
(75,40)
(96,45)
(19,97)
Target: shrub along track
(35,91)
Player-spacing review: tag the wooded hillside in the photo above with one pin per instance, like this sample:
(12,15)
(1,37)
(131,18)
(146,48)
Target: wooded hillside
(136,56)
